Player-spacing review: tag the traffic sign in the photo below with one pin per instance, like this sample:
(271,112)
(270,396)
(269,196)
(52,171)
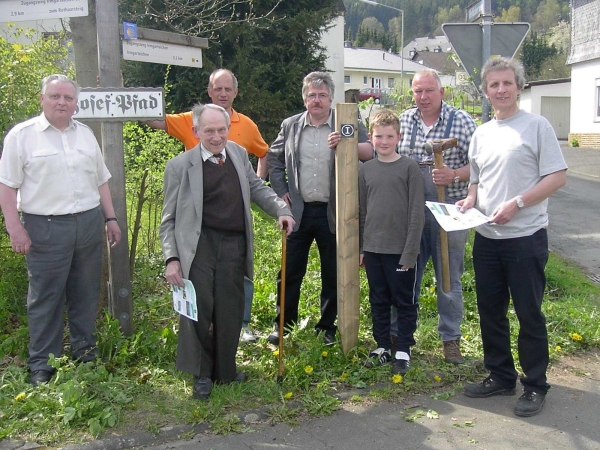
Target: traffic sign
(467,41)
(161,53)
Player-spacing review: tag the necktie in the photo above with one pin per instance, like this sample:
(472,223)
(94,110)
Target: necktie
(219,157)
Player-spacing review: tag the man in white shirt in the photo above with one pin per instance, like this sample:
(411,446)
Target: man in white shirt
(55,165)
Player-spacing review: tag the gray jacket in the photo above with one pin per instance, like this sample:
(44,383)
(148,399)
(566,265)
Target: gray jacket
(181,223)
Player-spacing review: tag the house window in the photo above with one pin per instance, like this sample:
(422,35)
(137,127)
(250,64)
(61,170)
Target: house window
(365,81)
(346,79)
(390,83)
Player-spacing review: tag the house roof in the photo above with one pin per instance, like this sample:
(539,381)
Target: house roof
(437,61)
(377,60)
(531,84)
(585,31)
(421,44)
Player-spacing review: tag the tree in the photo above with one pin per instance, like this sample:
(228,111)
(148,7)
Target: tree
(512,14)
(535,51)
(547,15)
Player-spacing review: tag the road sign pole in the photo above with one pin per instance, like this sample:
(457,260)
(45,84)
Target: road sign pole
(485,55)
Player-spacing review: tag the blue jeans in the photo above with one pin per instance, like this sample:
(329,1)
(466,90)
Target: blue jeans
(248,295)
(450,304)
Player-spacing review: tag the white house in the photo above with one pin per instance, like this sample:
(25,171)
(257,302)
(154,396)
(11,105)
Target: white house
(369,67)
(551,99)
(585,72)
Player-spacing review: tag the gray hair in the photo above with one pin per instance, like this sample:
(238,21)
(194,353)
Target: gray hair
(503,63)
(61,79)
(317,80)
(199,109)
(429,73)
(212,76)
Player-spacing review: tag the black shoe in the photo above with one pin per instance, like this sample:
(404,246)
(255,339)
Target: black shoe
(488,388)
(273,338)
(202,388)
(40,376)
(529,404)
(240,377)
(400,366)
(329,338)
(378,357)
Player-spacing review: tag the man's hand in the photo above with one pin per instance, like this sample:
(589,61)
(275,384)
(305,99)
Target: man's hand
(113,233)
(443,176)
(286,198)
(20,241)
(466,203)
(173,274)
(505,212)
(361,260)
(334,139)
(287,223)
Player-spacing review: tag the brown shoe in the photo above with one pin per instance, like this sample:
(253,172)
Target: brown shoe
(452,353)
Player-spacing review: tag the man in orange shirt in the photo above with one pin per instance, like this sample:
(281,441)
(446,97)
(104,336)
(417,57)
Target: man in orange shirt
(222,90)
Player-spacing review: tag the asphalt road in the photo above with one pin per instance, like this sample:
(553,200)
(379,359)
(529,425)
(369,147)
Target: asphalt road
(574,230)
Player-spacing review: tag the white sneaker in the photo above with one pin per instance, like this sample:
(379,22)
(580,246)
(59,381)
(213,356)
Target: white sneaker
(247,335)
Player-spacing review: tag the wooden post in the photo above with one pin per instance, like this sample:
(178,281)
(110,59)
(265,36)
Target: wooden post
(346,179)
(109,63)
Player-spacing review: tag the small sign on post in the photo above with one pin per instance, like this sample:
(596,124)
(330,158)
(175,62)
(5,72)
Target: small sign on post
(21,10)
(120,104)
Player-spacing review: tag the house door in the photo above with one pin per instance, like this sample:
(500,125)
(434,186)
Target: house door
(377,83)
(558,112)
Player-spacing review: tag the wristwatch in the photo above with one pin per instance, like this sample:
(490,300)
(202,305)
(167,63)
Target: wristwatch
(519,201)
(456,177)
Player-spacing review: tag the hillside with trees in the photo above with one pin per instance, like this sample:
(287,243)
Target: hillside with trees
(544,52)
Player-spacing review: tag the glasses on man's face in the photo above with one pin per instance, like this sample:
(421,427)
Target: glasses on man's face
(321,96)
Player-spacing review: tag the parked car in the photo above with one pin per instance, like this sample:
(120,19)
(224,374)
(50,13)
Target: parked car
(378,95)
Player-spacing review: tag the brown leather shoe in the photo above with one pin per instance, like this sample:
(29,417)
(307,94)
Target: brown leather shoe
(202,388)
(452,354)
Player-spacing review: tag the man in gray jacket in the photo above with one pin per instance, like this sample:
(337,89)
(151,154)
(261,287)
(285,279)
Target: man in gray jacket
(302,172)
(206,234)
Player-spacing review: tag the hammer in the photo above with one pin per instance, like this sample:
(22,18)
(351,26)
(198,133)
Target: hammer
(437,147)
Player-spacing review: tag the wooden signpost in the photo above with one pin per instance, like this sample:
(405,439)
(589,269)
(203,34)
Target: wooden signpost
(346,178)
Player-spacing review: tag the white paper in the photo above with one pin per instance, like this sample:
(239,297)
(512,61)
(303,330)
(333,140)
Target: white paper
(451,219)
(184,300)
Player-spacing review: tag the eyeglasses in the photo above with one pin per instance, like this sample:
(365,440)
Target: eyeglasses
(313,97)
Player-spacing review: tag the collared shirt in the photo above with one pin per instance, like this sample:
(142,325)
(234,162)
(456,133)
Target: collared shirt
(463,127)
(206,154)
(315,158)
(56,172)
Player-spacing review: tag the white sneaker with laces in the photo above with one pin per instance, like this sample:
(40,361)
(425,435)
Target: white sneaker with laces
(247,335)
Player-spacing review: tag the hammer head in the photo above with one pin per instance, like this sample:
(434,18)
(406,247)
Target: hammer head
(439,145)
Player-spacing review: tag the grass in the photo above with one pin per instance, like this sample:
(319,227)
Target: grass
(139,389)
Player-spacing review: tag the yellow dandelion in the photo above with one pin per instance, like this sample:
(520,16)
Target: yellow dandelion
(576,337)
(276,352)
(288,395)
(20,397)
(558,348)
(437,378)
(324,354)
(467,337)
(308,369)
(397,378)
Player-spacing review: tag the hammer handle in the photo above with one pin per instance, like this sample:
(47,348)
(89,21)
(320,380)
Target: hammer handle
(441,193)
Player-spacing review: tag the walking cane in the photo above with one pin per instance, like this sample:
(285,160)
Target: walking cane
(282,302)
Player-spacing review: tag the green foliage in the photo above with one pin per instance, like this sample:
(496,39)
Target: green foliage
(534,52)
(22,67)
(574,142)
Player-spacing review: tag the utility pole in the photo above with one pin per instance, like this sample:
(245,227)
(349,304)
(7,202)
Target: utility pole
(109,62)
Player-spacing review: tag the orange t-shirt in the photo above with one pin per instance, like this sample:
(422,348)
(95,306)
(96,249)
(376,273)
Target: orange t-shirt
(243,131)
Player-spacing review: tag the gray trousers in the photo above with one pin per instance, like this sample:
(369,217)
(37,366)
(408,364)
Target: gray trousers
(207,348)
(64,266)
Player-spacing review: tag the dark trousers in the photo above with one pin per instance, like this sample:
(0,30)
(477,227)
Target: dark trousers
(207,348)
(506,268)
(313,227)
(389,285)
(64,266)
